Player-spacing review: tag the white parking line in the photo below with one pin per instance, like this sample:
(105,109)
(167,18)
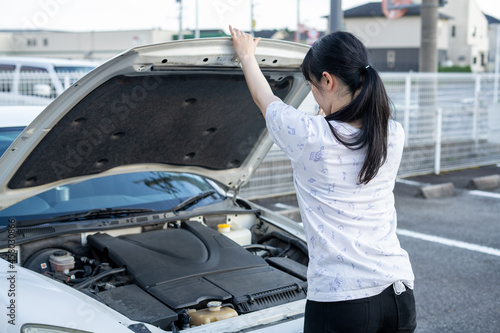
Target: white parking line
(485,194)
(410,182)
(450,242)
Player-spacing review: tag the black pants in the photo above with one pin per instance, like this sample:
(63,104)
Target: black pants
(386,312)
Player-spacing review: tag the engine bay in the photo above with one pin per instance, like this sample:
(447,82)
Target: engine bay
(169,274)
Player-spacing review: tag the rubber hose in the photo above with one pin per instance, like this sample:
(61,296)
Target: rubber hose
(98,277)
(274,251)
(284,238)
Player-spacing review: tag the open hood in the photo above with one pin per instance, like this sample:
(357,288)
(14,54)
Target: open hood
(175,106)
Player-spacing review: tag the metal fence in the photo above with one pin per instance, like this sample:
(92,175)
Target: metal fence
(451,121)
(34,87)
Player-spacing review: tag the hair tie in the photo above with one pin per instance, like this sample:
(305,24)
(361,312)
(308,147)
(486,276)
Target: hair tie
(367,66)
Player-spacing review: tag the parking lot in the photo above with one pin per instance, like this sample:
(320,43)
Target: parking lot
(454,246)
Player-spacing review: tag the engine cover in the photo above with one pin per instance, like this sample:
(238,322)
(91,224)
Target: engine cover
(191,265)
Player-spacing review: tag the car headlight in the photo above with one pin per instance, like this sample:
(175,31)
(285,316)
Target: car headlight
(38,328)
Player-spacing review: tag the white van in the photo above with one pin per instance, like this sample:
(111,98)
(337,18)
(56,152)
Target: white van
(37,81)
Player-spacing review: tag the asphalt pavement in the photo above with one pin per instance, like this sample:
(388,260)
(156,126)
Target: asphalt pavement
(454,246)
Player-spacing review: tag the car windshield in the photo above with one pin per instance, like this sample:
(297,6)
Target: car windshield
(7,136)
(158,191)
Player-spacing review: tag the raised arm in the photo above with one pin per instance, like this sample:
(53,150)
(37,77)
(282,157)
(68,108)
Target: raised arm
(245,46)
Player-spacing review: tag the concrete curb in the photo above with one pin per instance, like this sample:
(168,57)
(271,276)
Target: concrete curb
(437,191)
(485,182)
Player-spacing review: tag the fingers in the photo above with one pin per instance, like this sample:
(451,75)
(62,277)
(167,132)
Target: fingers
(238,34)
(235,33)
(244,44)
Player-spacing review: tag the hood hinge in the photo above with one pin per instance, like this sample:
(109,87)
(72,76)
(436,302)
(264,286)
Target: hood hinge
(237,188)
(235,193)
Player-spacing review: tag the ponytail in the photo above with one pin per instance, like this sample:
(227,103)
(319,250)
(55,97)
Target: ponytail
(345,57)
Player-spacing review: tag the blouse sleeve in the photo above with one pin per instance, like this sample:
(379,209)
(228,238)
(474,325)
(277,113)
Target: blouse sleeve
(289,128)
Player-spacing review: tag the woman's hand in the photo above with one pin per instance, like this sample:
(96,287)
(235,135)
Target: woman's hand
(244,44)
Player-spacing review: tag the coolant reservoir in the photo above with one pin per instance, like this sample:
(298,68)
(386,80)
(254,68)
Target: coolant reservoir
(240,235)
(214,312)
(61,261)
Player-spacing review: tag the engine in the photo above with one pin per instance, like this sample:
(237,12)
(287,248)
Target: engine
(175,274)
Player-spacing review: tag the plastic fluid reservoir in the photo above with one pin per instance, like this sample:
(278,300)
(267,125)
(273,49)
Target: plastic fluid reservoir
(61,261)
(214,312)
(240,235)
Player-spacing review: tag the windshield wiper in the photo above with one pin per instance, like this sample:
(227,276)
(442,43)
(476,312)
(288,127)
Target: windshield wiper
(104,212)
(191,201)
(114,213)
(93,213)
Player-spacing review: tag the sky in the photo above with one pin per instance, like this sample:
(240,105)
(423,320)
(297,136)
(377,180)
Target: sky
(98,15)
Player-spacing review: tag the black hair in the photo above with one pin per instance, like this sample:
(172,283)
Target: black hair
(344,56)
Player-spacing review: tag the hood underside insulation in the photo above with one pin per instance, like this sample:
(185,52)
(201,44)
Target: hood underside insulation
(203,120)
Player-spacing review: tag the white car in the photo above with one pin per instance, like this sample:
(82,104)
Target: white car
(13,120)
(37,81)
(119,206)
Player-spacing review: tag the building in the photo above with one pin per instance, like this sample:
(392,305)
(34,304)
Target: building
(210,33)
(494,42)
(465,36)
(99,45)
(394,44)
(468,35)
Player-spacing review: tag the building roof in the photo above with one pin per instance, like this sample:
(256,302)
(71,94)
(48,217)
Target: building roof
(265,33)
(491,19)
(374,9)
(27,31)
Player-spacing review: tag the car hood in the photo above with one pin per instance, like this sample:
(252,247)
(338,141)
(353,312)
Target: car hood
(175,106)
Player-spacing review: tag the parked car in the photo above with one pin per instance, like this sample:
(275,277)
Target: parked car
(37,81)
(119,206)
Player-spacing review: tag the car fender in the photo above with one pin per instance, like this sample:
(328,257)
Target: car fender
(28,297)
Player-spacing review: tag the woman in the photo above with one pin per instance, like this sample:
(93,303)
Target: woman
(345,163)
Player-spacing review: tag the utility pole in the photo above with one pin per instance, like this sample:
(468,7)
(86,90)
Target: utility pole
(336,16)
(297,34)
(497,65)
(180,37)
(428,57)
(428,111)
(251,19)
(197,28)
